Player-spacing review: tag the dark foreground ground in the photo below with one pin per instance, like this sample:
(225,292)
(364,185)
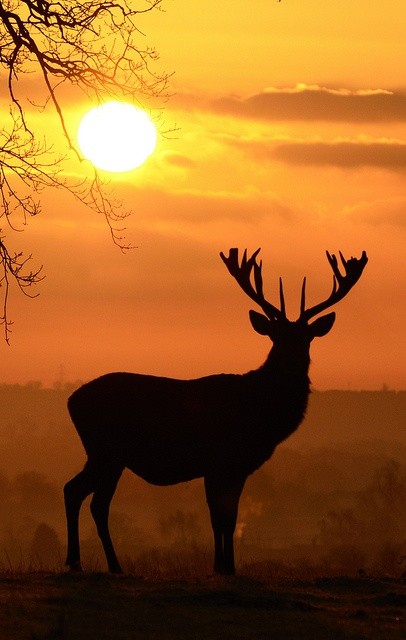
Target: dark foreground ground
(104,607)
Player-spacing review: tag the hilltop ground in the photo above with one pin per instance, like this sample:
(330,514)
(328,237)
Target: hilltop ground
(88,606)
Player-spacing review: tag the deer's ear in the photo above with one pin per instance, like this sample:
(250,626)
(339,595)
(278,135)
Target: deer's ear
(321,326)
(261,323)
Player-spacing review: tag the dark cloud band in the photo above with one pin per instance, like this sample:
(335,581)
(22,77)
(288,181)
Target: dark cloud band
(317,105)
(344,154)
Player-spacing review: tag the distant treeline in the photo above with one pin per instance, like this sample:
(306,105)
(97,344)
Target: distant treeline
(36,431)
(340,416)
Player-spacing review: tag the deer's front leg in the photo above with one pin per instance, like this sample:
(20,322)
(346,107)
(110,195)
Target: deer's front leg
(222,497)
(218,548)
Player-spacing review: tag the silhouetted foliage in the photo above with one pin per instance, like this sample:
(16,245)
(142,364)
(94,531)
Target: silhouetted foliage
(34,493)
(95,47)
(46,549)
(181,529)
(374,525)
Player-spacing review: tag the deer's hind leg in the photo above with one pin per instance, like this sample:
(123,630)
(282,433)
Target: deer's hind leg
(103,493)
(75,491)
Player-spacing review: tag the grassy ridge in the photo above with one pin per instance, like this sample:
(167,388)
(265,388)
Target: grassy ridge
(104,607)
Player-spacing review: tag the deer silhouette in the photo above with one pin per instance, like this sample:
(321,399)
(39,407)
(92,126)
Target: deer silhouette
(220,427)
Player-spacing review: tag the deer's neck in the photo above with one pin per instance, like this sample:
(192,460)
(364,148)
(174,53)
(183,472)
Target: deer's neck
(284,387)
(286,370)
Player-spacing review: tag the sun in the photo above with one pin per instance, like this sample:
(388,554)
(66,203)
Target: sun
(116,136)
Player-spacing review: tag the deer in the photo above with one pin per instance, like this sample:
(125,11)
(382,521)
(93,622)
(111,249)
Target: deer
(220,427)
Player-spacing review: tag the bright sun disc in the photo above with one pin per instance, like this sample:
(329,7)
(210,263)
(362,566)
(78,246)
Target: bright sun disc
(116,136)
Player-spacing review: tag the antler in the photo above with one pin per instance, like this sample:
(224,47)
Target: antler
(353,270)
(242,274)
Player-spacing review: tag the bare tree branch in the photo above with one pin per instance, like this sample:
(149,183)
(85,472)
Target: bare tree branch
(95,46)
(14,268)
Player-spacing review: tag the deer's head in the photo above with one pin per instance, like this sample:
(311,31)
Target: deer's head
(292,337)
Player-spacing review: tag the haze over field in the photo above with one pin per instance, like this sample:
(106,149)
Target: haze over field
(333,494)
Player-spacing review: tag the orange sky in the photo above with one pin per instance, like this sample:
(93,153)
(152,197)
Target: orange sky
(292,137)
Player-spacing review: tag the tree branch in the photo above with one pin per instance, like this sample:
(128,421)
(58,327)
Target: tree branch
(94,46)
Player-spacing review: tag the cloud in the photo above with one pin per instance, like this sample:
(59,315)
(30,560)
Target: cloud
(200,208)
(178,160)
(380,212)
(315,103)
(385,155)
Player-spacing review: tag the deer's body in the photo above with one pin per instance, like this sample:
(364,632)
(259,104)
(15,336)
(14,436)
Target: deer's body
(220,427)
(167,430)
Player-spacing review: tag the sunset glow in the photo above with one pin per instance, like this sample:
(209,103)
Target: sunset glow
(290,135)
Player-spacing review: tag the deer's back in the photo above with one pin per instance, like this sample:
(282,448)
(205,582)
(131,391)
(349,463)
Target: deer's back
(168,430)
(165,430)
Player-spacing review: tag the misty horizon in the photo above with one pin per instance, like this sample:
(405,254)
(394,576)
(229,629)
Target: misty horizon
(348,440)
